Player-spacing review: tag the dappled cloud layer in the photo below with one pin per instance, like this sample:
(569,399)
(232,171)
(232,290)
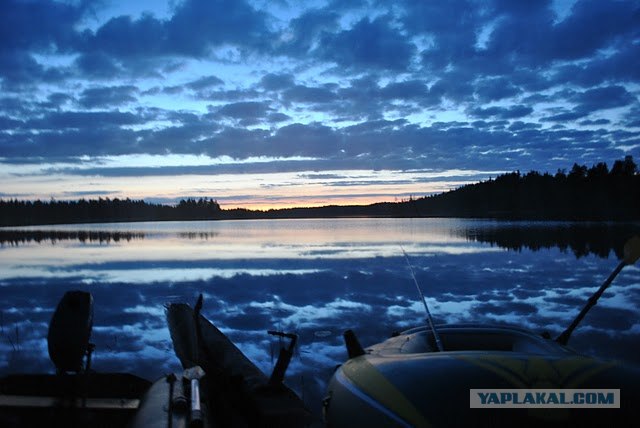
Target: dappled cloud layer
(267,104)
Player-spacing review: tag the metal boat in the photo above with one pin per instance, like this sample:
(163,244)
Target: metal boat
(76,395)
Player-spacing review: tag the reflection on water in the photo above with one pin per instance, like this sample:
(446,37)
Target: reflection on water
(16,237)
(315,277)
(581,238)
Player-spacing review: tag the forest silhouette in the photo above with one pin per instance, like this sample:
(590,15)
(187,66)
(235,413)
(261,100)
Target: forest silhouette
(23,213)
(593,194)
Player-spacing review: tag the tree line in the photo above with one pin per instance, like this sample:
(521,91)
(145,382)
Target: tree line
(594,193)
(16,212)
(584,193)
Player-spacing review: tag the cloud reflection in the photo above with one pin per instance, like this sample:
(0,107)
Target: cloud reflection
(337,275)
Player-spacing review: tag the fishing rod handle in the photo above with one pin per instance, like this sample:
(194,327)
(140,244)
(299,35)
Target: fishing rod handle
(196,420)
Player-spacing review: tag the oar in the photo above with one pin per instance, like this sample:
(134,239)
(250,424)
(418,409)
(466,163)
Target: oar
(185,335)
(631,255)
(182,329)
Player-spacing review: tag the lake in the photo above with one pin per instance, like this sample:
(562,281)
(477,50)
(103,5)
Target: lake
(313,277)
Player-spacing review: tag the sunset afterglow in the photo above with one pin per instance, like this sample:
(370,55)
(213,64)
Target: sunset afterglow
(266,105)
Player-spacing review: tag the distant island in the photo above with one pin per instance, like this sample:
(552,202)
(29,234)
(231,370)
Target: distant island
(583,194)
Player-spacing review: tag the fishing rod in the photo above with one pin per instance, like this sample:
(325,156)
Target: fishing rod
(631,255)
(432,326)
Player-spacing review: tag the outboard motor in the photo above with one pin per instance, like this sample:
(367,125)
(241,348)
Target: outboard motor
(70,330)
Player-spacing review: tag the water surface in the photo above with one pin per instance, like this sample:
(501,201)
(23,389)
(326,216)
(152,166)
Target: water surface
(313,277)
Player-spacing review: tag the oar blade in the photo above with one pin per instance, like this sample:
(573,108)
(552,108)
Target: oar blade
(183,333)
(632,250)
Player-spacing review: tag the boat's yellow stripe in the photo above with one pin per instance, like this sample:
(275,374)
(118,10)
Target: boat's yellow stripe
(363,374)
(530,372)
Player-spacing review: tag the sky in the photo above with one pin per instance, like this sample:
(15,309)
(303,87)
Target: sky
(267,104)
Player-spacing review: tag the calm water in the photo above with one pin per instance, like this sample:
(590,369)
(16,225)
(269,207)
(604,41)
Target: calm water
(313,277)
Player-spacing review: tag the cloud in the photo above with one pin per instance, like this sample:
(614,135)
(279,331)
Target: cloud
(308,95)
(20,71)
(496,89)
(514,112)
(304,30)
(519,126)
(455,86)
(368,44)
(83,120)
(565,116)
(306,140)
(593,100)
(273,81)
(7,123)
(108,96)
(123,37)
(451,28)
(404,90)
(248,112)
(98,64)
(375,143)
(205,82)
(533,38)
(418,85)
(603,98)
(593,25)
(595,122)
(278,117)
(219,95)
(54,28)
(197,25)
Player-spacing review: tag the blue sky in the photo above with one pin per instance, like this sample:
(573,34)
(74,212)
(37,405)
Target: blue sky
(278,103)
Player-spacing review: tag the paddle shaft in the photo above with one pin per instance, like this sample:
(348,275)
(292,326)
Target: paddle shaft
(564,337)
